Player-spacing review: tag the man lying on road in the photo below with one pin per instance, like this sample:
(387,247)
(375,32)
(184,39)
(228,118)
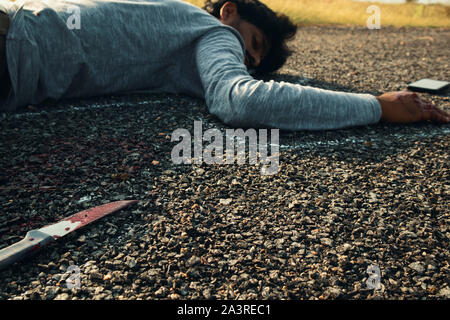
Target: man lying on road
(64,49)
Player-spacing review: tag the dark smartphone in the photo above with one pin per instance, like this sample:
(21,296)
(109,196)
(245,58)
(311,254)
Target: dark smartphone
(428,85)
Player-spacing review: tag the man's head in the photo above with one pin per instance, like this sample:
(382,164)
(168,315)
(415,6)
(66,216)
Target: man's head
(264,32)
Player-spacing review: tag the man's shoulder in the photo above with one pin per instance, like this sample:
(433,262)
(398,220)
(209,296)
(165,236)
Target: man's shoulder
(223,36)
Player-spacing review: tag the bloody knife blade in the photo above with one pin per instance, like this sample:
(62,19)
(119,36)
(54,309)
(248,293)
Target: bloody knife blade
(37,239)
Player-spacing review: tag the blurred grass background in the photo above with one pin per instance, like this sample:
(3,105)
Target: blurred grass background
(348,12)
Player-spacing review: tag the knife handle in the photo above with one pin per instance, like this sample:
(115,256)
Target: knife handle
(33,241)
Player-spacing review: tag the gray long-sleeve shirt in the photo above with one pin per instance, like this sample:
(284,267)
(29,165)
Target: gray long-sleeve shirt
(61,48)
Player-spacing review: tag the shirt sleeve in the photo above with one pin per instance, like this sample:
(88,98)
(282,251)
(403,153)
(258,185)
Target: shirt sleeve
(239,100)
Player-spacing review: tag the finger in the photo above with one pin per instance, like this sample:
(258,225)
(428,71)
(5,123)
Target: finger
(430,106)
(423,103)
(434,115)
(442,112)
(437,114)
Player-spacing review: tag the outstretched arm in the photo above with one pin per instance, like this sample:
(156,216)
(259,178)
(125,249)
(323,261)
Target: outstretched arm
(241,101)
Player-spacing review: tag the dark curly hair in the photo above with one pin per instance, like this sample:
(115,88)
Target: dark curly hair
(277,27)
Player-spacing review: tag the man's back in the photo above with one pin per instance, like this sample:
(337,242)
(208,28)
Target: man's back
(162,45)
(79,48)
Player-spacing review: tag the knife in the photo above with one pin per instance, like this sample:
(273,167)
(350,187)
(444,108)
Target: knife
(37,239)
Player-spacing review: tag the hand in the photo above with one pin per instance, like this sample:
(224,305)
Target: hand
(408,107)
